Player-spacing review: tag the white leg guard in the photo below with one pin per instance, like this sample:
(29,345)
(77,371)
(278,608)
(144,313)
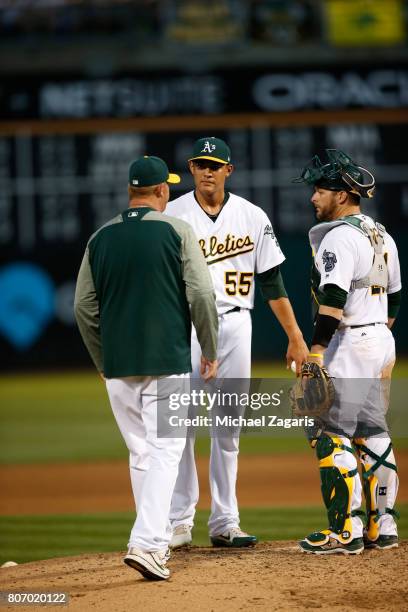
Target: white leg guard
(347,461)
(380,484)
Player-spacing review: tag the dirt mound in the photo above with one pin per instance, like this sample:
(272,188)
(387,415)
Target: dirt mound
(271,576)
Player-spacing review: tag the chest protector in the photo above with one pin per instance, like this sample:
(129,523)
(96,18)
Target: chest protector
(377,277)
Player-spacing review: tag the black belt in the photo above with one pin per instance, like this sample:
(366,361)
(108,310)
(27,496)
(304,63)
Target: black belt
(235,309)
(365,325)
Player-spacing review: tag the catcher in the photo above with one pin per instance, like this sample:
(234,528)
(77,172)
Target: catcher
(356,286)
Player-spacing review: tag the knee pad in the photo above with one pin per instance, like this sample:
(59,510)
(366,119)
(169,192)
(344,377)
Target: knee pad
(380,480)
(338,470)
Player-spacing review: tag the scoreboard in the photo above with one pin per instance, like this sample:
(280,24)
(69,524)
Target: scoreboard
(59,184)
(56,189)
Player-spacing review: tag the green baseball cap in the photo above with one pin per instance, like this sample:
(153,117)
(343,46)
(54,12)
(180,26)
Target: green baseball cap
(213,149)
(150,170)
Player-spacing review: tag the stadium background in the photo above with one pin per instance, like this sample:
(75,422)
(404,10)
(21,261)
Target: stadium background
(85,88)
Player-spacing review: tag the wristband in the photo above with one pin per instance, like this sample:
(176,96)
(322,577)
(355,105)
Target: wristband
(316,355)
(325,327)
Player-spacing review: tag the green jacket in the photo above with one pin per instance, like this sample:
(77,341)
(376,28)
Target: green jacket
(142,280)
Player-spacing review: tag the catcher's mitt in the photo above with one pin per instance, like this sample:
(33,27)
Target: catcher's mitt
(313,392)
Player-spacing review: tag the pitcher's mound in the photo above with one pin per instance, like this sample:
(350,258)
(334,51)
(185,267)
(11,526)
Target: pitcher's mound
(271,576)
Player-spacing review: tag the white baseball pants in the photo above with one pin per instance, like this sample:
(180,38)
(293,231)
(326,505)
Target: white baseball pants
(234,361)
(153,461)
(364,353)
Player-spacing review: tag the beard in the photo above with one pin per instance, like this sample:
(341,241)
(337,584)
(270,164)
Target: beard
(325,213)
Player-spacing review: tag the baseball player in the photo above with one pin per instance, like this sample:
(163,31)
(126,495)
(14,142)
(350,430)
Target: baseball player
(357,289)
(142,280)
(239,244)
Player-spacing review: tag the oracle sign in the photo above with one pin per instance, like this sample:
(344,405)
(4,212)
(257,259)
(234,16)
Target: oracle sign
(324,90)
(219,92)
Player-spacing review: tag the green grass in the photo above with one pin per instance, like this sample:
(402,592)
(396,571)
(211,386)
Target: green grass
(66,417)
(29,538)
(57,417)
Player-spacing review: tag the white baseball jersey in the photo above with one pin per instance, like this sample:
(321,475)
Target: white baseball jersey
(239,244)
(344,255)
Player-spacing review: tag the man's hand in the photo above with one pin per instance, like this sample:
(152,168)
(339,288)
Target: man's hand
(297,349)
(297,352)
(208,369)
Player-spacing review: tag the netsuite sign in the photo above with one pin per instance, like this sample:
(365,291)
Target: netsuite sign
(131,97)
(325,90)
(218,92)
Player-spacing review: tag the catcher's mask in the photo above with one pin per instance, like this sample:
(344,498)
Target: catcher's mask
(340,173)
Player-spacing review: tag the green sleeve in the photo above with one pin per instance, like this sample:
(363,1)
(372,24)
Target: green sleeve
(199,288)
(332,295)
(200,293)
(86,308)
(271,284)
(394,302)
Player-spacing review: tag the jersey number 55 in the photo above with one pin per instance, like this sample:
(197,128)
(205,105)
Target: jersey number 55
(238,282)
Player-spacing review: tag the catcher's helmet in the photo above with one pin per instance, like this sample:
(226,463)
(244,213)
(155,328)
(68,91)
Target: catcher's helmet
(340,173)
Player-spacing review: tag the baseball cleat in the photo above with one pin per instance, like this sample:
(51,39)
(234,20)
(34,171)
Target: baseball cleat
(320,543)
(152,565)
(181,536)
(235,538)
(382,542)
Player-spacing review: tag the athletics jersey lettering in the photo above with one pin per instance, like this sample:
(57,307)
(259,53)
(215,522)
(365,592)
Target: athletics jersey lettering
(238,245)
(231,246)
